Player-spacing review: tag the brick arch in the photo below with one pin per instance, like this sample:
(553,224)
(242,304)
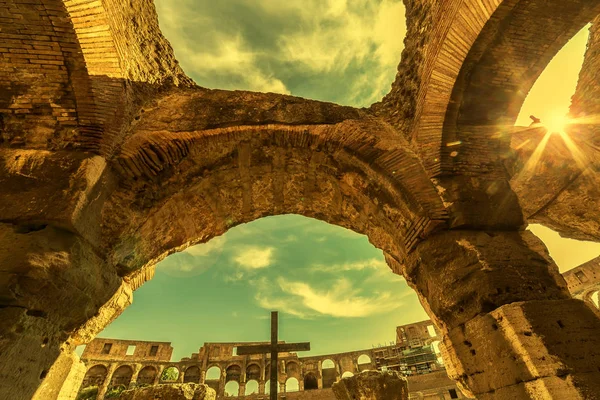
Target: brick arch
(147,375)
(95,376)
(458,62)
(510,52)
(122,376)
(356,174)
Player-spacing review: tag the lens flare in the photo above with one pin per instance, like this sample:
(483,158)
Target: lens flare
(557,124)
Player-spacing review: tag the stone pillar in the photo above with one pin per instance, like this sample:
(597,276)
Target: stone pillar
(242,390)
(281,387)
(319,375)
(136,370)
(52,282)
(261,387)
(160,370)
(64,379)
(105,385)
(510,327)
(301,383)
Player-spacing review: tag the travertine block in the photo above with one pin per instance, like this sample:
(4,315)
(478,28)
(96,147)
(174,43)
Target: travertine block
(522,342)
(372,385)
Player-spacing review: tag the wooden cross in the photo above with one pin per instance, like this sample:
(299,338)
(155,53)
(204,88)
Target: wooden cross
(274,348)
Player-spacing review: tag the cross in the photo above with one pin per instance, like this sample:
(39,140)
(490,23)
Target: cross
(274,348)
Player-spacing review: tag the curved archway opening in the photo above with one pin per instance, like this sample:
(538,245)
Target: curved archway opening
(147,376)
(94,377)
(329,372)
(310,382)
(253,372)
(331,51)
(347,374)
(192,375)
(268,387)
(292,385)
(121,377)
(213,373)
(252,387)
(233,373)
(596,299)
(364,359)
(232,389)
(169,374)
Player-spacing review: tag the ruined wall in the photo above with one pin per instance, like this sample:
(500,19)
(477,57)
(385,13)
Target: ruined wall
(585,101)
(416,334)
(584,280)
(118,350)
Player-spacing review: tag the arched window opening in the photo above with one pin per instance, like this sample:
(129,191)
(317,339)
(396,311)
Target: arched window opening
(329,373)
(364,359)
(213,374)
(146,376)
(310,382)
(292,369)
(253,372)
(595,299)
(192,374)
(292,385)
(268,387)
(233,373)
(550,97)
(347,374)
(95,376)
(170,374)
(122,376)
(251,387)
(232,389)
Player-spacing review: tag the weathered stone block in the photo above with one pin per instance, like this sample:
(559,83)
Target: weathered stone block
(461,274)
(372,385)
(522,342)
(183,391)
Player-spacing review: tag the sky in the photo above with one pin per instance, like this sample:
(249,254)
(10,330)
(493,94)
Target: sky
(331,286)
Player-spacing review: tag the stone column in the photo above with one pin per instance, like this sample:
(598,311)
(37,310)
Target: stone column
(319,375)
(52,282)
(510,327)
(160,370)
(136,370)
(242,390)
(104,387)
(261,387)
(281,387)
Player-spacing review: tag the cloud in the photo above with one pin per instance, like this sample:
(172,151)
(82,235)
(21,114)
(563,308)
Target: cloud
(195,259)
(255,257)
(342,300)
(371,263)
(344,51)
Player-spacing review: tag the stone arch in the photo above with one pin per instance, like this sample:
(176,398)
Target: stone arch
(292,369)
(122,376)
(232,388)
(192,374)
(95,376)
(213,373)
(272,162)
(363,359)
(310,381)
(253,371)
(252,387)
(171,373)
(347,374)
(268,387)
(292,385)
(147,375)
(329,372)
(233,373)
(460,73)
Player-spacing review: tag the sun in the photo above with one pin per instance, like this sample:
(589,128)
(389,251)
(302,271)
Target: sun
(557,123)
